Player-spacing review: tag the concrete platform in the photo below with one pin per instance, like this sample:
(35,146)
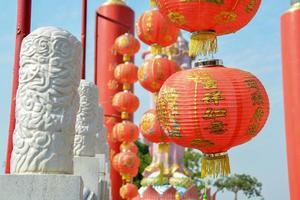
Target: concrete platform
(40,187)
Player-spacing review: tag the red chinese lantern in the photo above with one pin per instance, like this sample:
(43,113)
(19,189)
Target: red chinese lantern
(151,129)
(128,191)
(212,109)
(126,73)
(125,102)
(153,72)
(129,146)
(126,45)
(153,29)
(206,19)
(126,131)
(127,164)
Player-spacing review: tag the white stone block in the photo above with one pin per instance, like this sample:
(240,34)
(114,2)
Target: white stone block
(40,187)
(90,169)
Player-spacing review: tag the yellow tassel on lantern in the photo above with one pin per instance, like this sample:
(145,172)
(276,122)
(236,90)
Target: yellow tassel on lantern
(124,115)
(152,3)
(156,49)
(214,165)
(126,86)
(126,178)
(126,58)
(203,43)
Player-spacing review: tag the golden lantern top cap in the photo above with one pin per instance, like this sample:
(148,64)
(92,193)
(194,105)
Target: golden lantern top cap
(120,2)
(295,5)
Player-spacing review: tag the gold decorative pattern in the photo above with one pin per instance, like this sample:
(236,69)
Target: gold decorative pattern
(250,6)
(201,143)
(212,113)
(257,100)
(167,109)
(226,17)
(204,78)
(177,18)
(147,122)
(112,84)
(217,127)
(212,97)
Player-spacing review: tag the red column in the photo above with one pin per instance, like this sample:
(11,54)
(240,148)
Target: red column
(23,29)
(290,40)
(83,36)
(112,20)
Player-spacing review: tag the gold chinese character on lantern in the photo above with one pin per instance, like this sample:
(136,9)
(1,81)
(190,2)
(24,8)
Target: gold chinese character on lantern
(211,113)
(212,97)
(251,83)
(257,98)
(217,127)
(259,113)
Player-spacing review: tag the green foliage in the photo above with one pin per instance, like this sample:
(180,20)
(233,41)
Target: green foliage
(192,161)
(246,184)
(145,160)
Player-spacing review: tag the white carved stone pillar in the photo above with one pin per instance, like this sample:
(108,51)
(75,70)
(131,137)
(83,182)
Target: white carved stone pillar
(88,121)
(47,102)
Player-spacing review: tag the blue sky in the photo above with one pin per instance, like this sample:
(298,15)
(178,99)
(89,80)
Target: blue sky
(256,48)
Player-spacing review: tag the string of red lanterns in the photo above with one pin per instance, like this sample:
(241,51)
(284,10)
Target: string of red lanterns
(126,162)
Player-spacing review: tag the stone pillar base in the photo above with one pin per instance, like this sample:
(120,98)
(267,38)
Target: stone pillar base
(41,187)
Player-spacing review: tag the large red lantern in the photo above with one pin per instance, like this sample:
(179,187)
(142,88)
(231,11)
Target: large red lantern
(153,29)
(212,109)
(126,45)
(151,129)
(126,131)
(128,191)
(153,72)
(206,19)
(125,102)
(127,164)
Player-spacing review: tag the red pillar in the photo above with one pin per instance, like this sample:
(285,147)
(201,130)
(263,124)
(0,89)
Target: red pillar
(23,29)
(290,41)
(112,20)
(83,37)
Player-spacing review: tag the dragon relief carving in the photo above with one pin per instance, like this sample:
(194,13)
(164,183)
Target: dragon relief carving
(88,121)
(47,102)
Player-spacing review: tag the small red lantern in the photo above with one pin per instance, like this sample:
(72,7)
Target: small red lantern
(126,73)
(126,131)
(125,101)
(129,146)
(151,129)
(126,163)
(126,45)
(153,29)
(206,19)
(128,191)
(212,109)
(153,72)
